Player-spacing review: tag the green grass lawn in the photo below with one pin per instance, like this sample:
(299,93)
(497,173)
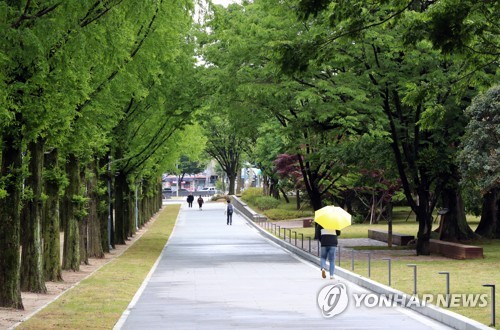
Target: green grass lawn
(466,276)
(99,301)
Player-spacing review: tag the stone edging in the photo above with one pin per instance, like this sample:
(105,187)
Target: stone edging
(449,318)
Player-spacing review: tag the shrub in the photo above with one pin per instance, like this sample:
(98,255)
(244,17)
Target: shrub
(358,218)
(281,214)
(266,202)
(251,194)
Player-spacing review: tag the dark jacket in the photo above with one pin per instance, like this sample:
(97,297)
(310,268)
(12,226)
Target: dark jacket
(328,237)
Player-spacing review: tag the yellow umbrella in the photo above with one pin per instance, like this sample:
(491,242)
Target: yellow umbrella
(332,217)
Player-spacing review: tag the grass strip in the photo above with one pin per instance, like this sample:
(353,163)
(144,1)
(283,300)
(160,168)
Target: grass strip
(99,301)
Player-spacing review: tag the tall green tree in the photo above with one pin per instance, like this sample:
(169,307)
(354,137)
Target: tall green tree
(479,159)
(311,109)
(69,71)
(422,106)
(229,117)
(226,147)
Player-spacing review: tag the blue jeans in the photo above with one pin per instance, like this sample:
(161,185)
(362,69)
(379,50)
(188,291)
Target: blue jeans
(328,252)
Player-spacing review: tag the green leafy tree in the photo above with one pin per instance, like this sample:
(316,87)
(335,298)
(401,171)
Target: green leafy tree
(226,146)
(229,117)
(69,71)
(479,160)
(312,126)
(422,107)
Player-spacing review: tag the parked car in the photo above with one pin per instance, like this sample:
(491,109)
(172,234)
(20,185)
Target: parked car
(207,191)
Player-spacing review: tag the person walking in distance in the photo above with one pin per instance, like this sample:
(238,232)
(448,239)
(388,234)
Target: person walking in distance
(328,239)
(200,202)
(190,200)
(229,212)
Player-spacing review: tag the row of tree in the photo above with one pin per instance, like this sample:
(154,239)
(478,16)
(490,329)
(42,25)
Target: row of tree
(357,91)
(95,103)
(98,98)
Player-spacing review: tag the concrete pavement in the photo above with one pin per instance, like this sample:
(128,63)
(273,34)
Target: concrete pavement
(214,276)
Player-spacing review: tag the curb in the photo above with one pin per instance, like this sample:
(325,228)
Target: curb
(449,318)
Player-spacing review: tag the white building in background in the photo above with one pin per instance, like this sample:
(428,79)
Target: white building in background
(192,182)
(249,177)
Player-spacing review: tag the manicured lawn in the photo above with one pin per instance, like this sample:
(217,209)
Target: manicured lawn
(466,276)
(403,222)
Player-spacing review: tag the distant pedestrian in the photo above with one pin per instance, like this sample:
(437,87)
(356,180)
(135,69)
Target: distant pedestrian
(200,202)
(190,200)
(329,242)
(229,212)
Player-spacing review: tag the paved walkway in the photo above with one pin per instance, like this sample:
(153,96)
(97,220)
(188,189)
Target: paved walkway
(214,276)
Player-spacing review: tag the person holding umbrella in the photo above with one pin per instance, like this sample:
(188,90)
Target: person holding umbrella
(329,242)
(329,221)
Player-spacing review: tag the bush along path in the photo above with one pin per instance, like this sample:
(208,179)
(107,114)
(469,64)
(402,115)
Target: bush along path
(98,301)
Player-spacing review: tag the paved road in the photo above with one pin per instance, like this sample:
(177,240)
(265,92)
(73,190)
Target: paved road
(214,276)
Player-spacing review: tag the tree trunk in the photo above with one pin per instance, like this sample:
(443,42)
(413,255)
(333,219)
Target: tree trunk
(271,188)
(144,203)
(83,225)
(94,247)
(104,204)
(310,180)
(454,225)
(71,251)
(159,200)
(121,216)
(489,224)
(51,236)
(297,194)
(287,200)
(424,218)
(276,192)
(265,185)
(131,216)
(84,236)
(10,172)
(389,233)
(232,182)
(373,209)
(32,270)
